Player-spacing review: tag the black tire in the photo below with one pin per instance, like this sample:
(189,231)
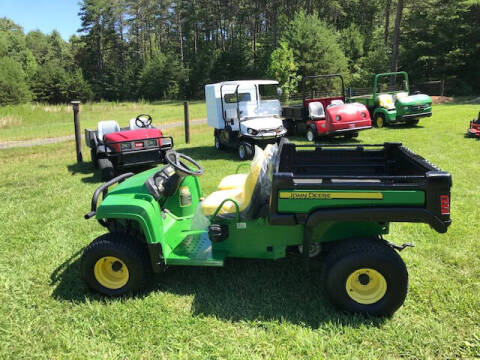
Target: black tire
(379,121)
(412,122)
(351,135)
(131,252)
(290,126)
(311,134)
(107,169)
(93,155)
(350,263)
(218,145)
(245,150)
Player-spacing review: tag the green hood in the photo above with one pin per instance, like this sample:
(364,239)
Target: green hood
(414,100)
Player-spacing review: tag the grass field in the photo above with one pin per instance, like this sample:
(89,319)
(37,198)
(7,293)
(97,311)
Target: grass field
(30,121)
(247,310)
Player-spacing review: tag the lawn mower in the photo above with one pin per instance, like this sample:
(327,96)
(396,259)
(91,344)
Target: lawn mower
(323,112)
(392,104)
(474,130)
(300,196)
(114,148)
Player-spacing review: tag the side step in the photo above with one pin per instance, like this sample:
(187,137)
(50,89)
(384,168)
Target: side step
(194,250)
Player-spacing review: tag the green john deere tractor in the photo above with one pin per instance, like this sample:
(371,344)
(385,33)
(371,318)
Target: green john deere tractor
(390,101)
(294,196)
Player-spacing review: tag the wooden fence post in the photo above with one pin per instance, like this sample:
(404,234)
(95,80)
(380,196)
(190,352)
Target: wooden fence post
(187,122)
(76,122)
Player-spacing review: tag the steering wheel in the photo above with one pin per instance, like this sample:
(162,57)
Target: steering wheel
(143,120)
(175,159)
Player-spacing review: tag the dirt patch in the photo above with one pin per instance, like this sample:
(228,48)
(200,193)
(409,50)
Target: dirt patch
(441,99)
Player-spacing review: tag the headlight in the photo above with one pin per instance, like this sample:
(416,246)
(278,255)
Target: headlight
(405,108)
(252,131)
(151,142)
(338,118)
(126,146)
(364,115)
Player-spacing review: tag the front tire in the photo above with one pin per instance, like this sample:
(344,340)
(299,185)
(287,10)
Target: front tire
(218,145)
(245,150)
(379,121)
(365,276)
(412,122)
(106,168)
(115,264)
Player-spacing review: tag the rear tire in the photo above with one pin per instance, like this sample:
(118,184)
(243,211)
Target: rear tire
(93,155)
(351,135)
(106,167)
(245,150)
(115,264)
(311,134)
(365,276)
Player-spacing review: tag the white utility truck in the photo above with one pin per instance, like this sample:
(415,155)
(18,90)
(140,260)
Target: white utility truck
(245,113)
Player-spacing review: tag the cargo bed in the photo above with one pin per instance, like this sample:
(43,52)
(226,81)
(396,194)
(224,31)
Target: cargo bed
(382,183)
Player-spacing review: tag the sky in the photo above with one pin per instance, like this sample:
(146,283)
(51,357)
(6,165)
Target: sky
(44,15)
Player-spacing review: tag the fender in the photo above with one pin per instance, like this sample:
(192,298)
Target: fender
(141,208)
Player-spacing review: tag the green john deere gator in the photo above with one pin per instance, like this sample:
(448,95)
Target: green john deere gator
(294,196)
(392,104)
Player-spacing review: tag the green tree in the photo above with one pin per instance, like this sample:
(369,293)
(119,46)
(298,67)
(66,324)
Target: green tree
(315,45)
(13,85)
(283,69)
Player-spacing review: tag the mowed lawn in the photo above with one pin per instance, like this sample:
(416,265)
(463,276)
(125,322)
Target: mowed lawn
(249,309)
(30,121)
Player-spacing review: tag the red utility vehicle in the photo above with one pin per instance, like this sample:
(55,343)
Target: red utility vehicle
(474,130)
(114,148)
(322,113)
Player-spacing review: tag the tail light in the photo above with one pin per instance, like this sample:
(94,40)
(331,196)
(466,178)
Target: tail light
(445,204)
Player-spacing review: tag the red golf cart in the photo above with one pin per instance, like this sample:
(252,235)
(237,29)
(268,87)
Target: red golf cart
(323,113)
(474,130)
(114,148)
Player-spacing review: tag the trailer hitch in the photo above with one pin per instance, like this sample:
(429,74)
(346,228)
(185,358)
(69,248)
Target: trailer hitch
(400,247)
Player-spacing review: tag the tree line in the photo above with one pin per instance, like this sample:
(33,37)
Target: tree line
(159,49)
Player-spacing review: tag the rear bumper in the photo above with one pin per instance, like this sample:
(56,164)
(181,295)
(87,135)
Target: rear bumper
(415,215)
(349,130)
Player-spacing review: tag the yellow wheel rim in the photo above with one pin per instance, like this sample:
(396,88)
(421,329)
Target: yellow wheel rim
(379,122)
(366,286)
(111,272)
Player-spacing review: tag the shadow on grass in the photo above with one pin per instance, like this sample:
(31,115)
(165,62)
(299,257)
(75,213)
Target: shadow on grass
(244,290)
(95,176)
(209,153)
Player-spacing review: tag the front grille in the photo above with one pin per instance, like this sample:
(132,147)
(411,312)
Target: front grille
(141,157)
(419,107)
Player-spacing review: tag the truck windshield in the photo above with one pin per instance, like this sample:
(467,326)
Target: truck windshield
(232,98)
(268,103)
